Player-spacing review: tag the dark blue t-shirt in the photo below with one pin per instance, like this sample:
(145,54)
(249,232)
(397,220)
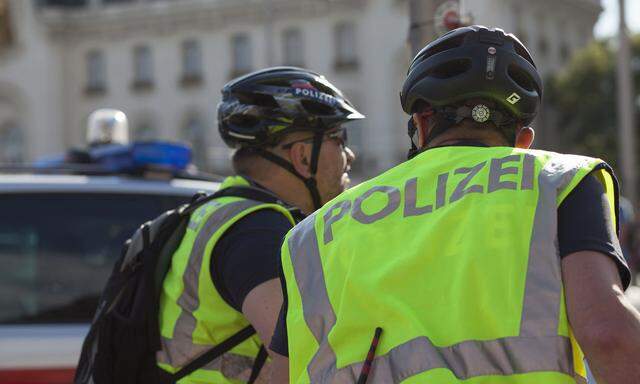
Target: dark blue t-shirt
(248,254)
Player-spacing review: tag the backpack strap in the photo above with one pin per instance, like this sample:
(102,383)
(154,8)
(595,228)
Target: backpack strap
(258,363)
(216,352)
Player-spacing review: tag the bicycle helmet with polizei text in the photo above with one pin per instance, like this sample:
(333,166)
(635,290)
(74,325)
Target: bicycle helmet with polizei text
(258,108)
(475,62)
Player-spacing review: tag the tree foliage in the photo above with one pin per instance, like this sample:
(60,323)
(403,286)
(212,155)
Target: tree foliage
(583,100)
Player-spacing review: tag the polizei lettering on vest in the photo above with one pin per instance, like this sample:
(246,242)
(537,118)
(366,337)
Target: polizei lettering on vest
(522,165)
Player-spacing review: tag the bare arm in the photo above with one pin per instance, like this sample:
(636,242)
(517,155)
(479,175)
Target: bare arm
(280,369)
(261,307)
(605,324)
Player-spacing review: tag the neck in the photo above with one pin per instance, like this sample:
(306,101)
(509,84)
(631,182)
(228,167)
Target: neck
(482,138)
(289,189)
(471,142)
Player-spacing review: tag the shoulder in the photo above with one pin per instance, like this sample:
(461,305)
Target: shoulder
(265,218)
(564,160)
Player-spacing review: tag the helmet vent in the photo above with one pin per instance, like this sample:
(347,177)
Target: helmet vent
(324,89)
(257,99)
(316,108)
(243,121)
(520,77)
(522,52)
(450,69)
(451,43)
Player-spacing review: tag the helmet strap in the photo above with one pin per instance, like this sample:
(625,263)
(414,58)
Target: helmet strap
(442,119)
(309,182)
(315,152)
(439,121)
(411,131)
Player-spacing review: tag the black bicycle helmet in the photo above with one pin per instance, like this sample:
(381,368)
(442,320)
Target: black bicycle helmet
(475,62)
(259,108)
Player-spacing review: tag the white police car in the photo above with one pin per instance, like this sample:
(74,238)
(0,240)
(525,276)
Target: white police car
(61,230)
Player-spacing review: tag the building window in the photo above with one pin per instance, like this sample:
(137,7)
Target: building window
(142,68)
(293,47)
(191,63)
(194,133)
(345,43)
(11,144)
(96,73)
(240,54)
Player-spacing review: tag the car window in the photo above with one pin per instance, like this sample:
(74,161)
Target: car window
(57,250)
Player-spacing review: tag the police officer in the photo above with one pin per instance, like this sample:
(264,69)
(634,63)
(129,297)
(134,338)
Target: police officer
(478,260)
(286,126)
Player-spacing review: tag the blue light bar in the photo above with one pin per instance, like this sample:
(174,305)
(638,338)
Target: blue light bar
(118,158)
(175,156)
(50,161)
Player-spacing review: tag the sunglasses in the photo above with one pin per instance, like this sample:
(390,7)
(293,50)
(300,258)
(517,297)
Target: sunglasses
(339,136)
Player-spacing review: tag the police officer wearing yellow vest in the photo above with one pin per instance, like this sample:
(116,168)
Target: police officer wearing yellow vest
(286,126)
(478,260)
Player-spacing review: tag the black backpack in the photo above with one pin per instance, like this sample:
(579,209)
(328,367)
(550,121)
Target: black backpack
(124,337)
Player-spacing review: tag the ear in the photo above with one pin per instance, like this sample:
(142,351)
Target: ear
(300,156)
(524,137)
(420,120)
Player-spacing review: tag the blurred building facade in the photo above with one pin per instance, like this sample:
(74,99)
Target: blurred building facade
(164,61)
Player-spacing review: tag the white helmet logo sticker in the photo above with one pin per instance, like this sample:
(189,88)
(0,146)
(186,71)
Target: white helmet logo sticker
(514,98)
(480,113)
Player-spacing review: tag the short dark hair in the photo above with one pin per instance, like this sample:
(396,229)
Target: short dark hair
(243,159)
(247,161)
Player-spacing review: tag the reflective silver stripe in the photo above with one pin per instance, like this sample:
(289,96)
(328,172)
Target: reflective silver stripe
(318,313)
(507,356)
(231,365)
(180,349)
(543,286)
(537,348)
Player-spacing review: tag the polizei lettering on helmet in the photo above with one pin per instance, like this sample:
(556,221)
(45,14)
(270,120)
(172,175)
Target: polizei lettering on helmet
(315,94)
(513,172)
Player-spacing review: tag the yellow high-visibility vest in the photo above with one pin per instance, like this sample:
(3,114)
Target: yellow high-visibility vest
(193,315)
(454,255)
